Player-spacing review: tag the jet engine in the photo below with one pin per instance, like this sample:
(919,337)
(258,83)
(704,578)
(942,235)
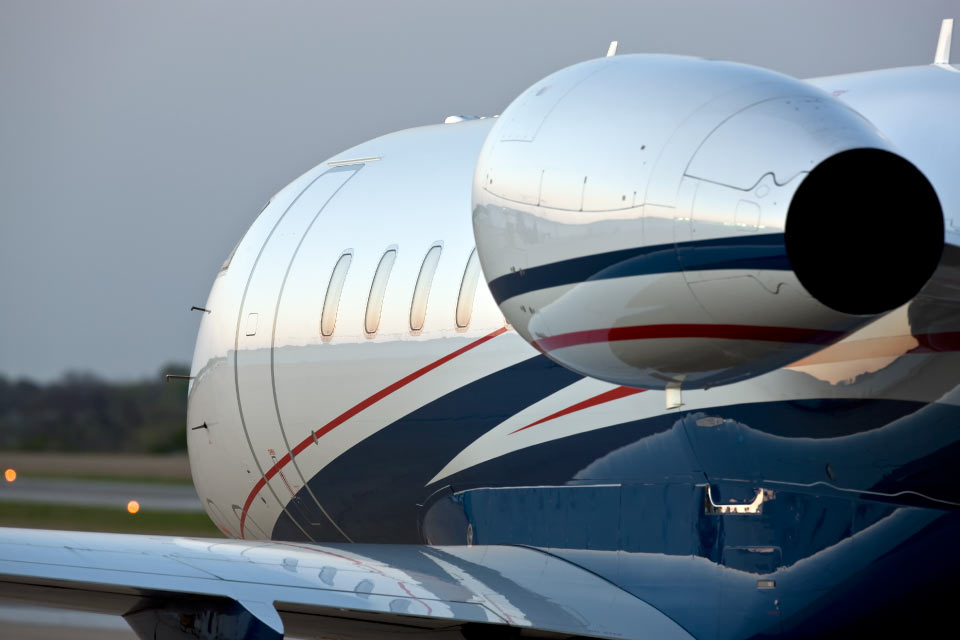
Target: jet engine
(659,221)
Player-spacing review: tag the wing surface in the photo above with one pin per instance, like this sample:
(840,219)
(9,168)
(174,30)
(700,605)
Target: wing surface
(173,587)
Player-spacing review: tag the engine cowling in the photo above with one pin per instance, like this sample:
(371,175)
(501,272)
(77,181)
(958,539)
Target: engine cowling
(659,221)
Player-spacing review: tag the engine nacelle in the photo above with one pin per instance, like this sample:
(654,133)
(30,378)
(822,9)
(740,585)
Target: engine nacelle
(658,221)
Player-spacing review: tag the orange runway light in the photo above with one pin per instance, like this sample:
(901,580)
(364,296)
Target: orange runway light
(133,506)
(10,475)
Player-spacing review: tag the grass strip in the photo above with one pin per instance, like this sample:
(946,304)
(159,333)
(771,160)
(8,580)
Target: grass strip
(78,518)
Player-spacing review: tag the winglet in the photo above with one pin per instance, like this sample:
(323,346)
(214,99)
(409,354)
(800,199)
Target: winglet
(943,44)
(612,49)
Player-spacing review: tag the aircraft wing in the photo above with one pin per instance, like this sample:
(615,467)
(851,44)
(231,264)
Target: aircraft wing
(174,587)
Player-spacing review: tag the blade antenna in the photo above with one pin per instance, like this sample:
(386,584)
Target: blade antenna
(943,44)
(612,49)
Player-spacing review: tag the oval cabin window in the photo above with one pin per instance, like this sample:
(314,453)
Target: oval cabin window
(328,318)
(371,319)
(421,292)
(468,291)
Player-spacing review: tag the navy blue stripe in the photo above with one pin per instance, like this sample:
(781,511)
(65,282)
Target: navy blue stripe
(371,489)
(766,251)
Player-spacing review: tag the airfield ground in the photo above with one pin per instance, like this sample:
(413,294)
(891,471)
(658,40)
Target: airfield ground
(86,492)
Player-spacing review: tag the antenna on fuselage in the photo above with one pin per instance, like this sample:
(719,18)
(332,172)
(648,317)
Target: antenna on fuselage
(942,58)
(612,49)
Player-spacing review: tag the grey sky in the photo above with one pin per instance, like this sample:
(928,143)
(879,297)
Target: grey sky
(138,141)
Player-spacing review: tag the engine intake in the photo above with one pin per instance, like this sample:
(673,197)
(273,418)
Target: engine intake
(864,231)
(658,221)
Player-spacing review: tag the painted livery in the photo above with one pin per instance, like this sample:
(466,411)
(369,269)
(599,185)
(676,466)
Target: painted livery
(642,243)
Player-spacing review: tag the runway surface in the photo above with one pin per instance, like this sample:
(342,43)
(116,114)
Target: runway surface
(25,622)
(92,493)
(41,623)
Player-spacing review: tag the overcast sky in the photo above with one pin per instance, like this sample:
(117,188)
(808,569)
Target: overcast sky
(138,140)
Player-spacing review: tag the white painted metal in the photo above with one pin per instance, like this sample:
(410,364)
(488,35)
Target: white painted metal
(915,108)
(302,372)
(586,163)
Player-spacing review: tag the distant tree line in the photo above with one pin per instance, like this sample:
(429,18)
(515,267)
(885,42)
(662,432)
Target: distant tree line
(81,412)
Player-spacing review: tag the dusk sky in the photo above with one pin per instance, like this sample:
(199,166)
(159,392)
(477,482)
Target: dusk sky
(139,140)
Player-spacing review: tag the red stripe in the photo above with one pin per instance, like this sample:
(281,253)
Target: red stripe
(606,396)
(716,331)
(352,411)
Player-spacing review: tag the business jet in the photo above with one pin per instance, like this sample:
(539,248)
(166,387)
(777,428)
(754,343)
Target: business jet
(667,349)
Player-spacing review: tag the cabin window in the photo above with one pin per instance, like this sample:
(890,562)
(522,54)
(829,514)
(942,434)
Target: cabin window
(371,319)
(468,290)
(328,318)
(421,292)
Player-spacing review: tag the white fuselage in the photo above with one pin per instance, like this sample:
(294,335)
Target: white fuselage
(280,401)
